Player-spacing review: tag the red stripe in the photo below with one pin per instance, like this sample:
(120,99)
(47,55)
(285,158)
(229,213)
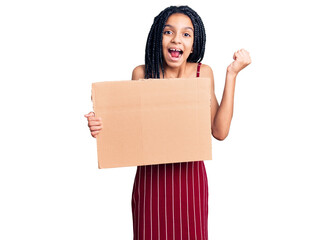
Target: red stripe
(198,69)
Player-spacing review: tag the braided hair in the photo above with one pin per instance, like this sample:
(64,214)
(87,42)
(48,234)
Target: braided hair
(154,55)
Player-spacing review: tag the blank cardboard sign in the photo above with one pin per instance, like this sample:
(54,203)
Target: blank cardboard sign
(153,121)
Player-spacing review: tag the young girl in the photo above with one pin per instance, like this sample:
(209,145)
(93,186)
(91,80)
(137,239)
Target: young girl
(170,201)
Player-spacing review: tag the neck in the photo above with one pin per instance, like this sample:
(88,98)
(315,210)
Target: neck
(175,72)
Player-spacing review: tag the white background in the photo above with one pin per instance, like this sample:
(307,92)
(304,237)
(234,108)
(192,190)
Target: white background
(273,177)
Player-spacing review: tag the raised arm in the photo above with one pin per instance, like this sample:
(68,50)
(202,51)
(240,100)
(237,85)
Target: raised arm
(221,115)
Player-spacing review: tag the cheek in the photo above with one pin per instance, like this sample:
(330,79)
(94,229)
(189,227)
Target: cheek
(164,45)
(189,44)
(165,40)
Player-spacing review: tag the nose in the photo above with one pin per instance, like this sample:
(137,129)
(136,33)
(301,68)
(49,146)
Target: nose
(176,38)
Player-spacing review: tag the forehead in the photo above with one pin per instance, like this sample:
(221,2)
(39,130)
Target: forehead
(179,20)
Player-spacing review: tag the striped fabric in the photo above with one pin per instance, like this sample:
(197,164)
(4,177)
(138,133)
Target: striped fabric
(170,201)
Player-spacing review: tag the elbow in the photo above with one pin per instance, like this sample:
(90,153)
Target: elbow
(220,136)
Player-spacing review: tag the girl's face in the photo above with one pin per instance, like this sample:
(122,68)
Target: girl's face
(177,39)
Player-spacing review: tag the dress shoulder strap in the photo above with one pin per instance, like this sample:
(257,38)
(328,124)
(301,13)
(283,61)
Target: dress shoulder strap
(198,69)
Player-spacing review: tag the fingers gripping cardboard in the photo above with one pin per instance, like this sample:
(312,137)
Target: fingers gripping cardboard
(153,121)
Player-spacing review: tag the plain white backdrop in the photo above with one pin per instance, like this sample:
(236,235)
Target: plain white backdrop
(273,177)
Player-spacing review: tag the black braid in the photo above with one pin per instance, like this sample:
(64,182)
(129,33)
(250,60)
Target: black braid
(153,54)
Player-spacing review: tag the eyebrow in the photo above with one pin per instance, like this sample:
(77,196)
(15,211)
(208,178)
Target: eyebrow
(167,25)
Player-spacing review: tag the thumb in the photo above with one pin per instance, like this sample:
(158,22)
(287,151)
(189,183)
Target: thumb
(235,56)
(90,114)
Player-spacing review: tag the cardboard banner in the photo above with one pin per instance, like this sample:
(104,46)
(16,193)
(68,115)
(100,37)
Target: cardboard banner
(153,121)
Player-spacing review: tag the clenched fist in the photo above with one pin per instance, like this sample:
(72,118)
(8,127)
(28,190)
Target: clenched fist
(95,123)
(241,60)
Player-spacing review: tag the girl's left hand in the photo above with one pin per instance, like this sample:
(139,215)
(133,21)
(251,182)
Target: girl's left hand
(241,60)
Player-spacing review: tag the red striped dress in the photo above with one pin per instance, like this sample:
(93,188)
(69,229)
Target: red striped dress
(170,201)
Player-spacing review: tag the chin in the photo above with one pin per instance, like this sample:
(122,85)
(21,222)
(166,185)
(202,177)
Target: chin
(174,64)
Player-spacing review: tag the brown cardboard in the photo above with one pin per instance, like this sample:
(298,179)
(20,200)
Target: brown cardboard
(153,121)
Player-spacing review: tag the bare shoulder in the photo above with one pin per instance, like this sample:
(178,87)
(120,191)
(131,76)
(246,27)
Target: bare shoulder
(138,72)
(206,71)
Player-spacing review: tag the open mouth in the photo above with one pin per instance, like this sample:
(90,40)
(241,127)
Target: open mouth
(175,53)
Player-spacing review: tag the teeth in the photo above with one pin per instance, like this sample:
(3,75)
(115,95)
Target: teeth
(176,50)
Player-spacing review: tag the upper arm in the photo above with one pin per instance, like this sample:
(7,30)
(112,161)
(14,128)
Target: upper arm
(138,72)
(206,72)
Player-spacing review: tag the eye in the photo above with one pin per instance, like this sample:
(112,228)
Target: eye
(186,35)
(167,32)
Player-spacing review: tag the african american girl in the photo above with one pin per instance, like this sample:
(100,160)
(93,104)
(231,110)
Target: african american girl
(170,201)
